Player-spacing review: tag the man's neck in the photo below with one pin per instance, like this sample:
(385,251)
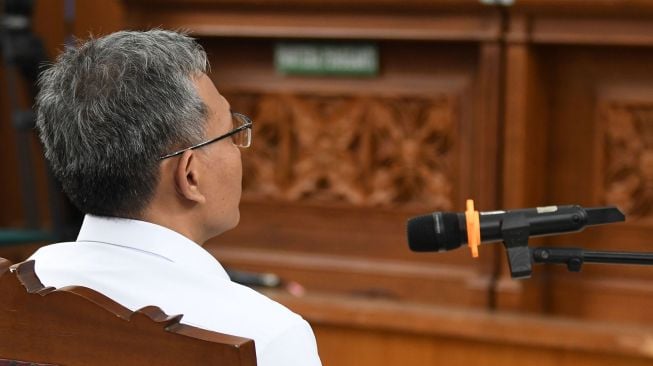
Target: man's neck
(183,224)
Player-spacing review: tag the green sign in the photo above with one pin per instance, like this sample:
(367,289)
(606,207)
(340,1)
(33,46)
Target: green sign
(349,59)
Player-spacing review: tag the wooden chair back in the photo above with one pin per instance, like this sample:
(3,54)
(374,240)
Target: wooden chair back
(78,326)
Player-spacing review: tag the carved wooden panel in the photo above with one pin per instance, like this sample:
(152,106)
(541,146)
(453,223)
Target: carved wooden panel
(351,149)
(627,139)
(339,163)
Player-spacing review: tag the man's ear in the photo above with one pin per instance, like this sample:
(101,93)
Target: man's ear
(187,177)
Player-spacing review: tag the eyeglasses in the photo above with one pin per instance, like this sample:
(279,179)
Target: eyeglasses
(241,135)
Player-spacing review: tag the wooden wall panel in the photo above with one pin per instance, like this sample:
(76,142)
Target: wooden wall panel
(592,75)
(339,164)
(601,128)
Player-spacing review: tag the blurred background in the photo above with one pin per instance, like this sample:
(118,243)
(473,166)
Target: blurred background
(369,112)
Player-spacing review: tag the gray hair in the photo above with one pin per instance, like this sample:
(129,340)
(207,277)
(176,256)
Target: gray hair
(107,110)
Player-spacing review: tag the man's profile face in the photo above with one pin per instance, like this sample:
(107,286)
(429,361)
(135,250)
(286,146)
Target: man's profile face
(221,161)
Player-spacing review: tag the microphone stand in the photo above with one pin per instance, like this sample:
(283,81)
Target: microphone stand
(575,257)
(515,230)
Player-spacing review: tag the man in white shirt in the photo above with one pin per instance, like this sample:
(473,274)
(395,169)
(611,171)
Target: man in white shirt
(146,146)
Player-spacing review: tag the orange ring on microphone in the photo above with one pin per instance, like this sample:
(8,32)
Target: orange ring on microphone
(473,228)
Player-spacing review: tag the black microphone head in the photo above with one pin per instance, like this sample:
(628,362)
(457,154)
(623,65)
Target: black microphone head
(436,232)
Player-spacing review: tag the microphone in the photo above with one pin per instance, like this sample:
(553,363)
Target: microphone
(442,231)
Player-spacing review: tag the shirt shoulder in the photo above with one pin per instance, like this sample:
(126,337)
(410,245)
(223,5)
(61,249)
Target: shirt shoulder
(282,337)
(296,346)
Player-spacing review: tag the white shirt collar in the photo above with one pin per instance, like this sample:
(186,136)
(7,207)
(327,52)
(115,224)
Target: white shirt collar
(151,238)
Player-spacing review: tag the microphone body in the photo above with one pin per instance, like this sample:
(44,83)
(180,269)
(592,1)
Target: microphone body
(442,231)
